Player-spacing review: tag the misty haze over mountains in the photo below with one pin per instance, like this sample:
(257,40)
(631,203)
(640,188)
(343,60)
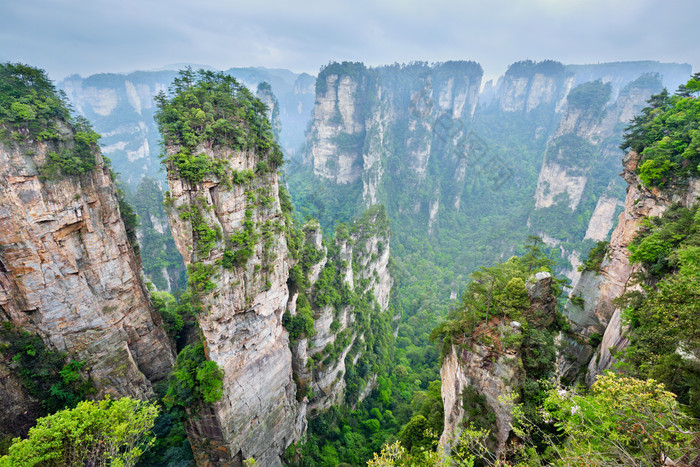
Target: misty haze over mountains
(121,105)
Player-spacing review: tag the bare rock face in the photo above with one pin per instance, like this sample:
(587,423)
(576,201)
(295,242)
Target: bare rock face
(554,180)
(68,273)
(491,374)
(597,313)
(602,219)
(582,158)
(242,318)
(337,122)
(264,93)
(565,170)
(528,85)
(357,107)
(492,371)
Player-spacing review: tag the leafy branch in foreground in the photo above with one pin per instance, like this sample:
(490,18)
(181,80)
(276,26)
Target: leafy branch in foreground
(97,433)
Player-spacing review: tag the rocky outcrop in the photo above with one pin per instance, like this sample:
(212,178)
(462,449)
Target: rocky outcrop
(338,126)
(264,93)
(595,312)
(493,370)
(492,374)
(68,272)
(578,179)
(585,139)
(527,85)
(241,321)
(555,180)
(358,107)
(602,219)
(359,262)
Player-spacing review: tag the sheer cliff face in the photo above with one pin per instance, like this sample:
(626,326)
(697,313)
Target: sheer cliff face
(492,371)
(566,167)
(68,273)
(264,93)
(357,108)
(413,138)
(524,93)
(242,312)
(338,116)
(363,257)
(578,178)
(598,314)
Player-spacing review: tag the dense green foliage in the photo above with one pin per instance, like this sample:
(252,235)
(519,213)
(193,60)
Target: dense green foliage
(30,105)
(46,374)
(76,160)
(620,421)
(431,263)
(667,136)
(344,435)
(527,68)
(101,433)
(167,306)
(663,318)
(590,97)
(32,109)
(498,294)
(194,379)
(207,110)
(171,446)
(405,375)
(495,292)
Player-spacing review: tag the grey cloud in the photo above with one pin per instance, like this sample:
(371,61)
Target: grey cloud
(93,36)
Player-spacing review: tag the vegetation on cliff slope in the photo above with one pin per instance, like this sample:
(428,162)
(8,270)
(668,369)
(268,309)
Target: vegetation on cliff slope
(48,375)
(206,110)
(31,109)
(352,431)
(667,136)
(663,316)
(33,112)
(621,421)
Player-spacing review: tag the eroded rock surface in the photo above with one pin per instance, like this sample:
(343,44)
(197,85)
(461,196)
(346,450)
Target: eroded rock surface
(68,272)
(242,321)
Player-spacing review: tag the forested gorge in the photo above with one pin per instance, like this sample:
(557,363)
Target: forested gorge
(402,314)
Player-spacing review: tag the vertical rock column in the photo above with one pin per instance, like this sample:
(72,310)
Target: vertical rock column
(68,273)
(242,307)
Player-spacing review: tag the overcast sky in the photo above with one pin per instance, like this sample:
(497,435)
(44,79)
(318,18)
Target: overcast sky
(92,36)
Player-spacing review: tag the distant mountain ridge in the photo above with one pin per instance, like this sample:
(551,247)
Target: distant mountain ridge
(121,108)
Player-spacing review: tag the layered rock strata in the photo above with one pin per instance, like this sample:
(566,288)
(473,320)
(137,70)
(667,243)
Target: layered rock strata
(241,321)
(68,272)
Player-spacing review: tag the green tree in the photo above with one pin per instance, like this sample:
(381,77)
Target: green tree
(194,379)
(667,136)
(99,433)
(622,421)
